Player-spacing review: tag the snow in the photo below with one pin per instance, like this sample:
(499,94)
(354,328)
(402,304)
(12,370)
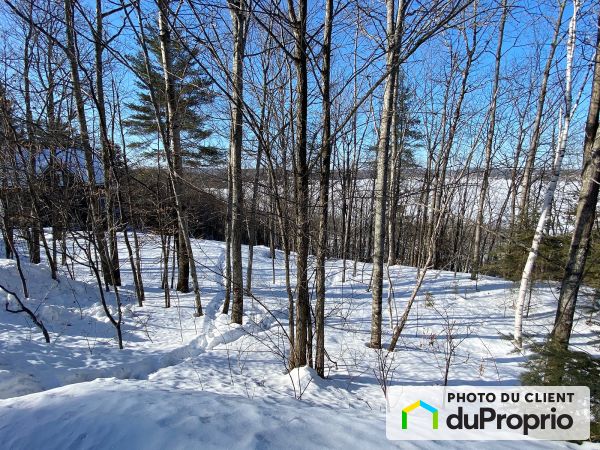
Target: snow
(496,210)
(187,382)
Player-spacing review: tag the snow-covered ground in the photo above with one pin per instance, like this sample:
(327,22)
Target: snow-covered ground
(198,382)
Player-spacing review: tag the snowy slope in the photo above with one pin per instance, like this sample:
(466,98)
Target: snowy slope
(110,413)
(188,382)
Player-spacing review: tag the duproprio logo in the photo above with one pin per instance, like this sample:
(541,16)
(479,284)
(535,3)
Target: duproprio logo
(421,404)
(486,412)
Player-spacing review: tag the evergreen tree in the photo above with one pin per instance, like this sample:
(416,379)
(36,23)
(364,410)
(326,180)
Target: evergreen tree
(193,91)
(409,133)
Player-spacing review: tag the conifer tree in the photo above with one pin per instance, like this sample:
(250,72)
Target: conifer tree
(194,95)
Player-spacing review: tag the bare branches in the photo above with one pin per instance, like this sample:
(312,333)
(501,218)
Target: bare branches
(22,308)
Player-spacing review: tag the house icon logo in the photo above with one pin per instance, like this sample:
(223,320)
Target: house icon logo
(422,404)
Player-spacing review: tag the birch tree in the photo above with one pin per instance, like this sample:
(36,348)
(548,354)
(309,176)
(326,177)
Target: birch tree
(551,188)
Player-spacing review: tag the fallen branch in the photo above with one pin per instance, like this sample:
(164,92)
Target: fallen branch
(26,310)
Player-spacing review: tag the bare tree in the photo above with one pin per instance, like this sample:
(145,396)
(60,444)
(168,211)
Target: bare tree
(174,161)
(585,216)
(326,148)
(537,124)
(549,195)
(488,146)
(394,25)
(298,21)
(239,17)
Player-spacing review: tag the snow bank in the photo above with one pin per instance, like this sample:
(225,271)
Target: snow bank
(111,413)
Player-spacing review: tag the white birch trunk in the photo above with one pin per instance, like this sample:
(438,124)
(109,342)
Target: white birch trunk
(549,196)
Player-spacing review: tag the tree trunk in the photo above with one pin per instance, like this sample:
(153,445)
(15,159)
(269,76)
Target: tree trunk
(393,32)
(584,220)
(298,22)
(173,152)
(238,10)
(227,301)
(94,207)
(107,151)
(252,218)
(133,251)
(394,176)
(488,147)
(34,241)
(549,195)
(326,147)
(537,124)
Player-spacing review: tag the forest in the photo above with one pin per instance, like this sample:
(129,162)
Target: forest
(246,223)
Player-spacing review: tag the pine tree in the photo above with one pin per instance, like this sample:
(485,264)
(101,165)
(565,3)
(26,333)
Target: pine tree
(194,93)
